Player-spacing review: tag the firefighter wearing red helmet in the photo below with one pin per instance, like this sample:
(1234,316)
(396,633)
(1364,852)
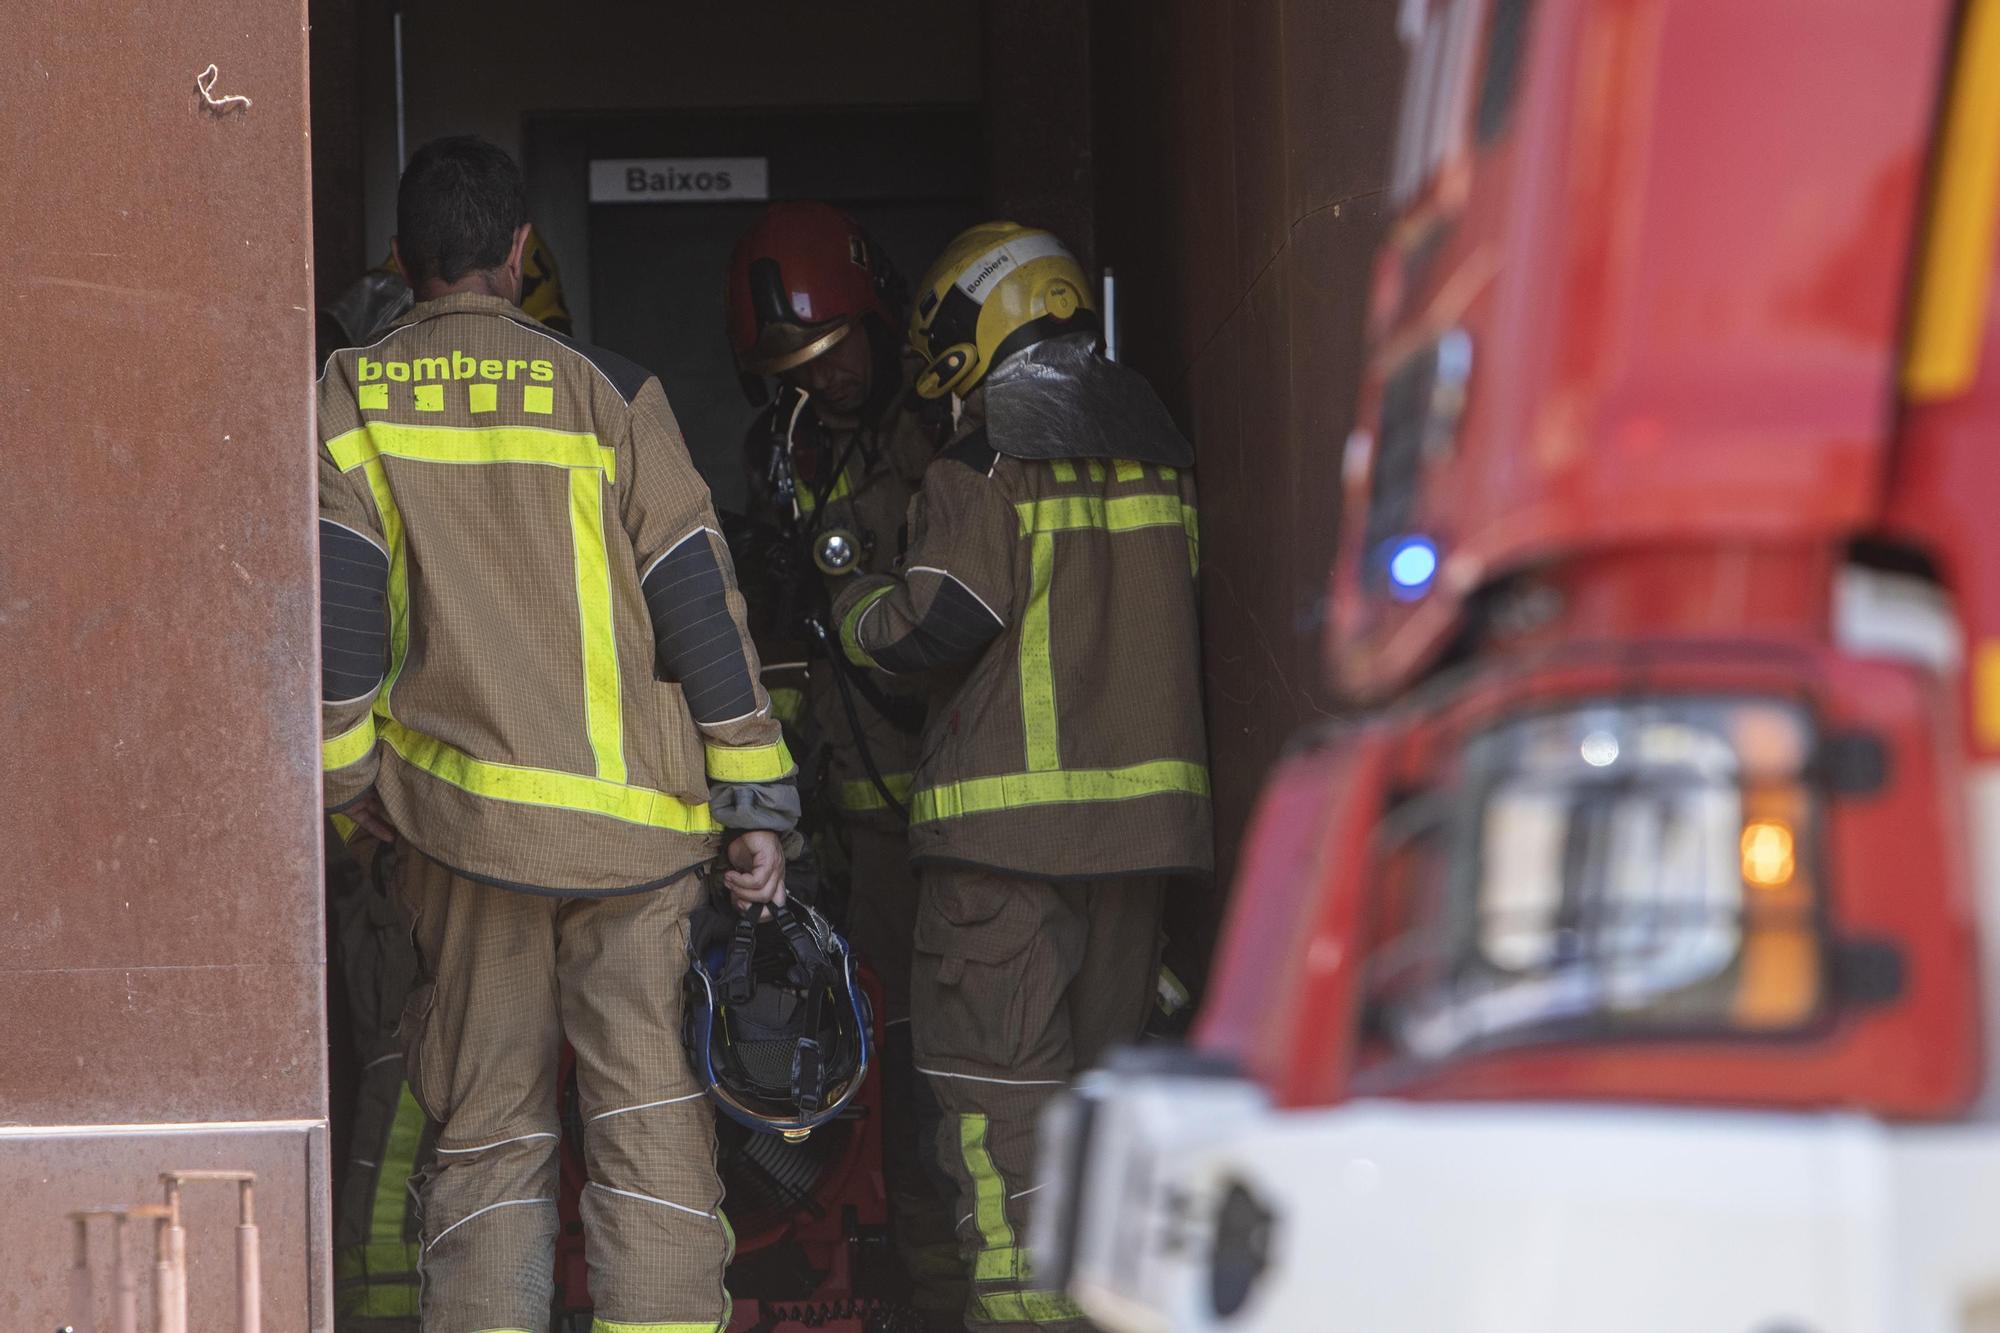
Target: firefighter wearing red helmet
(834,461)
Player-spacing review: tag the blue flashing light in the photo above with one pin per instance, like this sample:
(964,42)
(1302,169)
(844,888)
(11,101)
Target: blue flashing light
(1413,564)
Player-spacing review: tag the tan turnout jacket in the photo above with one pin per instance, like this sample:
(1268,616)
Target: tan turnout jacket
(1051,605)
(533,646)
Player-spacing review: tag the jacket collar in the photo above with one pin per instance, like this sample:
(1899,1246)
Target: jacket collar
(460,303)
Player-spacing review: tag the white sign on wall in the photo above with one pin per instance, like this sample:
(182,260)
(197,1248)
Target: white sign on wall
(679,180)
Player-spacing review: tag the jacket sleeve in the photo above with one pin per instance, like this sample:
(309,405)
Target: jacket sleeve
(354,566)
(700,630)
(956,591)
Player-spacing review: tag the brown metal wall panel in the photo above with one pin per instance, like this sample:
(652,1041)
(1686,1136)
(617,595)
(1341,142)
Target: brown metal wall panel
(1331,257)
(162,1043)
(47,1177)
(1035,73)
(339,212)
(1242,153)
(1258,82)
(1199,194)
(160,938)
(1343,75)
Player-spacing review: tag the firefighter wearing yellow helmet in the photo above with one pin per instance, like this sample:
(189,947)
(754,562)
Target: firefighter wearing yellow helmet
(1047,602)
(997,289)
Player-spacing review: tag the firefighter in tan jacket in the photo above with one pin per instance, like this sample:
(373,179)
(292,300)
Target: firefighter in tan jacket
(536,677)
(1048,600)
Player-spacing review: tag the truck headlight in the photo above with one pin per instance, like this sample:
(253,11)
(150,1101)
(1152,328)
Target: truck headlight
(1616,867)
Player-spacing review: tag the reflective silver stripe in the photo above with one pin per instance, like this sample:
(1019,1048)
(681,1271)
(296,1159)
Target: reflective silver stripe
(498,1143)
(1010,1082)
(504,1203)
(644,1106)
(647,1198)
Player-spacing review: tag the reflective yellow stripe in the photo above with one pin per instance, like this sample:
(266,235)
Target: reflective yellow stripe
(1126,513)
(350,746)
(1008,1265)
(809,502)
(603,710)
(345,828)
(989,1191)
(399,1161)
(1038,683)
(387,1299)
(788,704)
(471,444)
(1026,1307)
(753,763)
(1191,521)
(399,578)
(1064,787)
(1040,519)
(377,1279)
(852,621)
(1096,470)
(698,1326)
(547,787)
(391,1259)
(592,464)
(860,796)
(1063,469)
(1956,265)
(1127,470)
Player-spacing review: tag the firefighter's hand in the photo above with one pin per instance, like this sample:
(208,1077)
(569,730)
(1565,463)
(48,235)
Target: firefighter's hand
(369,817)
(757,869)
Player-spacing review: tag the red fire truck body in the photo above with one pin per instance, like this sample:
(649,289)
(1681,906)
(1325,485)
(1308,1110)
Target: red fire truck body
(1629,960)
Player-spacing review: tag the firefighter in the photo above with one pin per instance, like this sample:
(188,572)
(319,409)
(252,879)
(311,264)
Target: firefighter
(380,296)
(385,1132)
(537,681)
(834,461)
(1048,600)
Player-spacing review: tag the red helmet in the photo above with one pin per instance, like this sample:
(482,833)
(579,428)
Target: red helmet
(799,280)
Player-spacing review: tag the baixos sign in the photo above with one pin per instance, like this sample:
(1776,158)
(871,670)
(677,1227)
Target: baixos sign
(679,180)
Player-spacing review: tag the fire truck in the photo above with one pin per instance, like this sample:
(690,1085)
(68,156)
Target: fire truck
(1627,960)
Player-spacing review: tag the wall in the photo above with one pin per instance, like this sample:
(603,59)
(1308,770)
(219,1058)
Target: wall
(1037,109)
(1242,154)
(161,950)
(475,66)
(338,241)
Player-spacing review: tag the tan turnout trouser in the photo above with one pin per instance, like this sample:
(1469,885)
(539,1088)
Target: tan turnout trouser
(1018,986)
(506,976)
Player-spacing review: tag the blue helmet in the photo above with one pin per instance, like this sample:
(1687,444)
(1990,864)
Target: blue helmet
(775,1024)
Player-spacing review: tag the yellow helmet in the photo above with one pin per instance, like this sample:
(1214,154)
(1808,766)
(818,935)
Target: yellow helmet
(997,288)
(541,284)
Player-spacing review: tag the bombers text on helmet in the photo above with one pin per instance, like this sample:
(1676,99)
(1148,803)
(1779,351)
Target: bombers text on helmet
(798,281)
(997,288)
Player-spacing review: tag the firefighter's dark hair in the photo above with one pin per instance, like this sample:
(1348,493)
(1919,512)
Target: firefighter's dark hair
(460,202)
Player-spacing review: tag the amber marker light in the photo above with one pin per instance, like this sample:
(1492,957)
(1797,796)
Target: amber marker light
(1768,859)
